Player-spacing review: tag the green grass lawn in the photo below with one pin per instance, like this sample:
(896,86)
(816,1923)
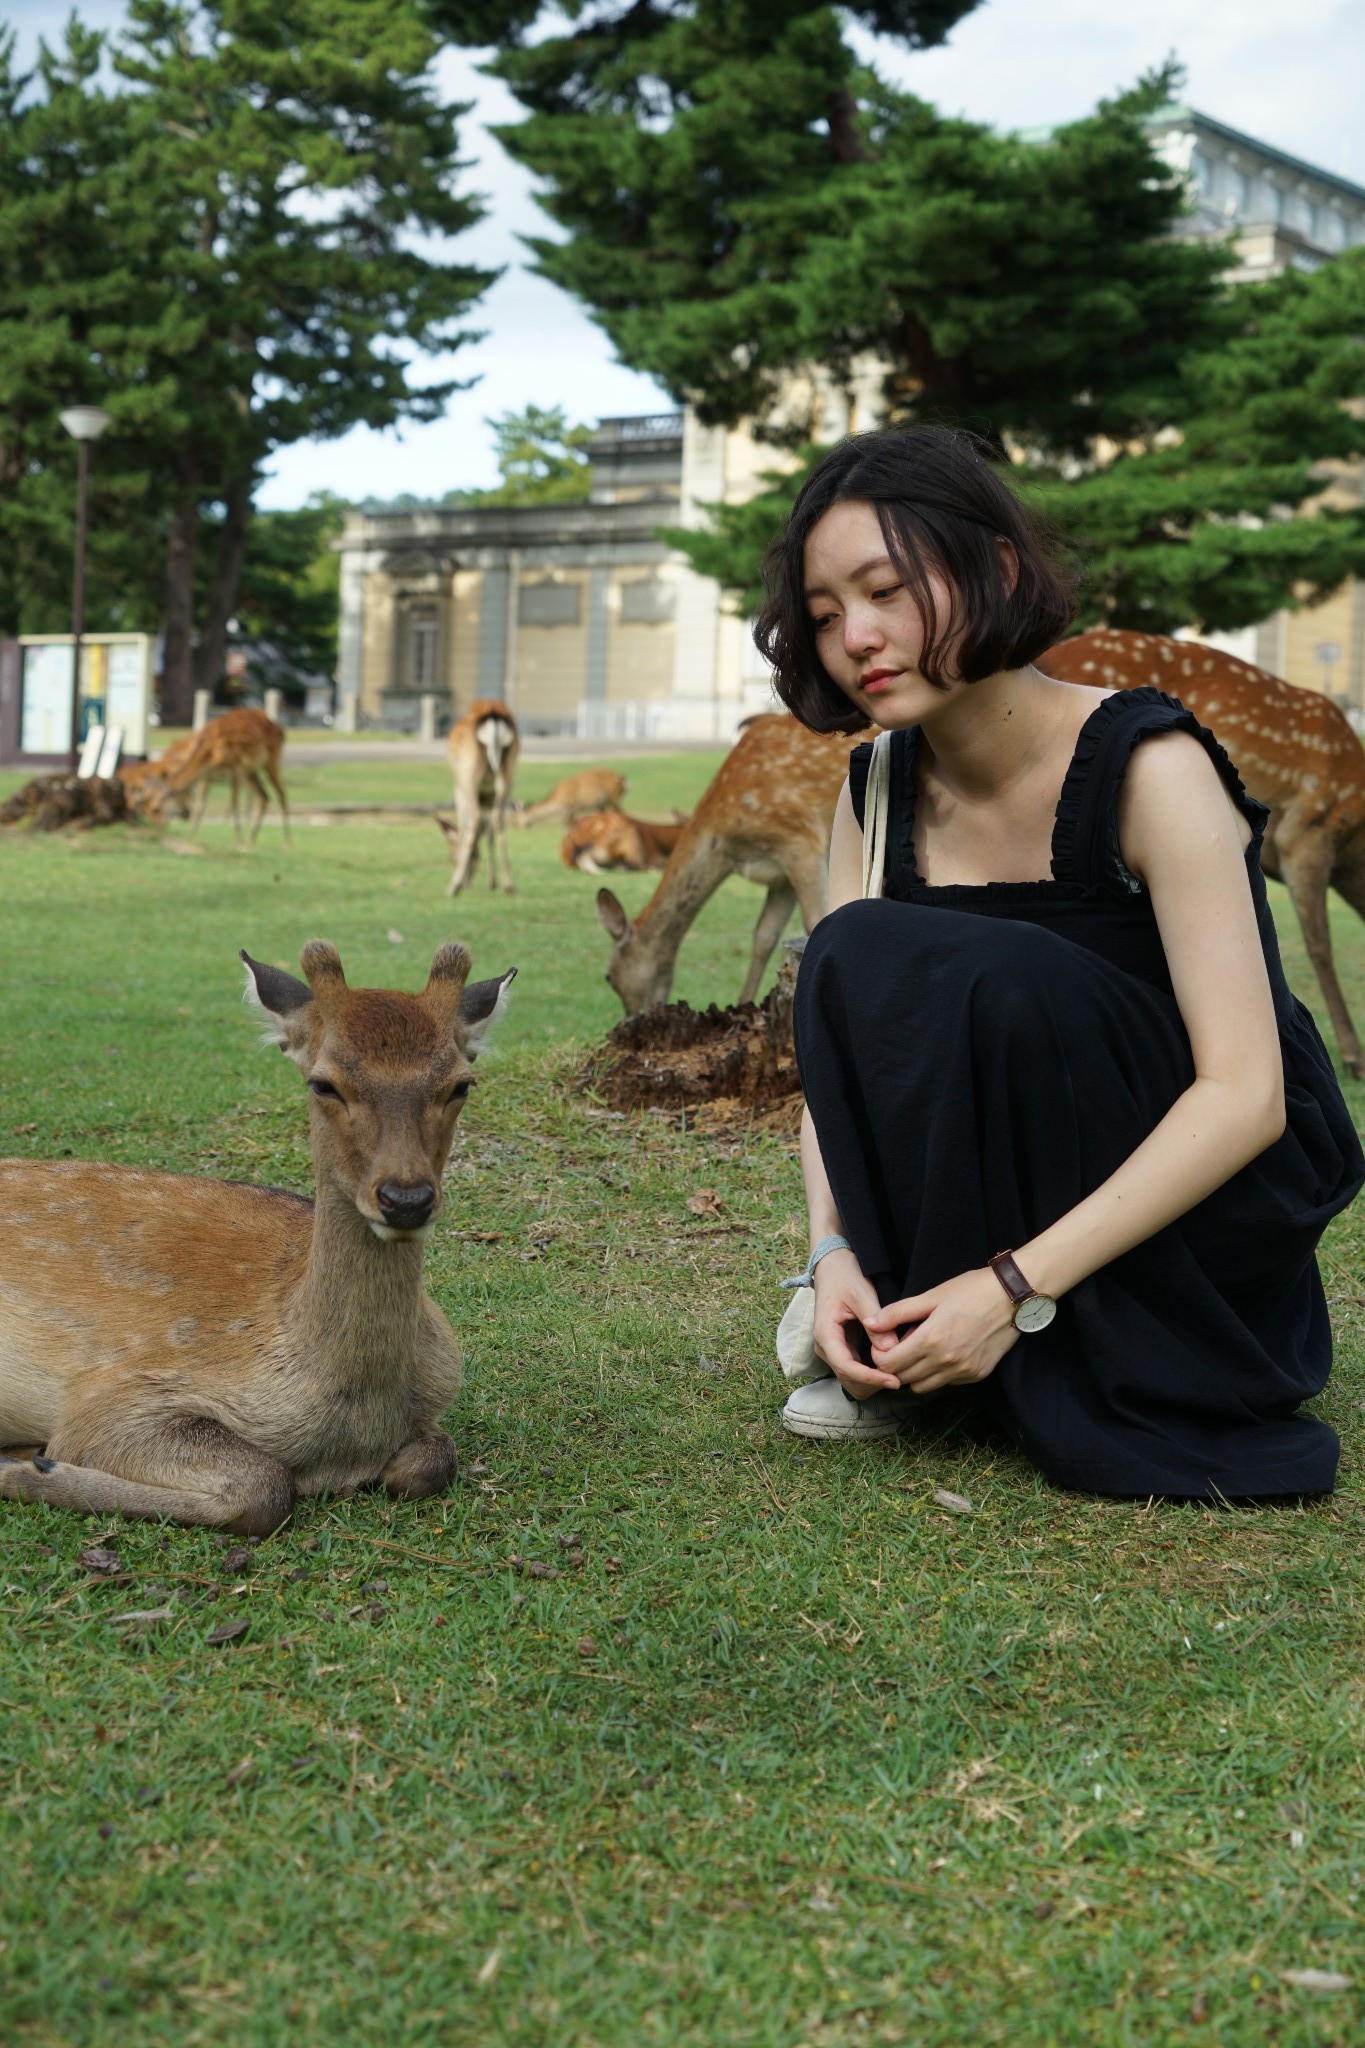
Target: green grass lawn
(780,1752)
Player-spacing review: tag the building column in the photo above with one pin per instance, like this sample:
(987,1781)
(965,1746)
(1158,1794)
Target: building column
(493,602)
(351,622)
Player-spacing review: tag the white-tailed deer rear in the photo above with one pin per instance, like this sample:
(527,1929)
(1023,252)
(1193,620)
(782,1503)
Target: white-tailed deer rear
(208,1352)
(766,816)
(1295,751)
(483,748)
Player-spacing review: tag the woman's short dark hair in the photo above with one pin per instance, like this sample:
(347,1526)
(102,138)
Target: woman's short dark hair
(942,503)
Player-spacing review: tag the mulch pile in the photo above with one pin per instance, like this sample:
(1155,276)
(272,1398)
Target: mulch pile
(51,802)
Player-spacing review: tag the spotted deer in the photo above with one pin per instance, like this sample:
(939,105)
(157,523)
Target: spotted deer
(604,840)
(241,746)
(767,817)
(593,789)
(144,782)
(1295,751)
(207,1352)
(483,748)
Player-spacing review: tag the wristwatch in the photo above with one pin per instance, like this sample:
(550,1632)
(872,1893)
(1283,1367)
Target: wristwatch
(1032,1311)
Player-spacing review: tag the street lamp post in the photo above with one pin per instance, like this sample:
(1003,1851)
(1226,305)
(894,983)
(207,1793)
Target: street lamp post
(84,423)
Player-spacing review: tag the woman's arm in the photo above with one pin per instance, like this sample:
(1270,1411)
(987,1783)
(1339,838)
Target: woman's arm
(1183,836)
(844,1297)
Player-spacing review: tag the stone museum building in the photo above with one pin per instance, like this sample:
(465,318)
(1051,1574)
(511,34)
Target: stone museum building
(583,620)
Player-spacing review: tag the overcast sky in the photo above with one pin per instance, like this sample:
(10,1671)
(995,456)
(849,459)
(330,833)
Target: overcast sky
(1288,74)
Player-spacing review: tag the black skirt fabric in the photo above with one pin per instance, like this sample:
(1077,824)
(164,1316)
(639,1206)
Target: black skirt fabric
(977,1061)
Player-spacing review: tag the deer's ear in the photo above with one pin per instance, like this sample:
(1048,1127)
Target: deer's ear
(614,920)
(482,1003)
(279,997)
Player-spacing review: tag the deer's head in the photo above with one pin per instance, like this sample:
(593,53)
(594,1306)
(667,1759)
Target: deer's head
(639,978)
(387,1074)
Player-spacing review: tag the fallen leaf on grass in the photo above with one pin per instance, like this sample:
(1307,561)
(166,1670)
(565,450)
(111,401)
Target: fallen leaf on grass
(227,1632)
(395,938)
(956,1503)
(1324,1981)
(97,1559)
(239,1773)
(184,846)
(22,1130)
(488,1968)
(706,1202)
(142,1614)
(586,1646)
(236,1559)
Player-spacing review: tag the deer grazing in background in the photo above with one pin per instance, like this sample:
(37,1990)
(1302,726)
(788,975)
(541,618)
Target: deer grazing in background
(766,816)
(593,789)
(208,1352)
(483,748)
(144,782)
(240,747)
(604,840)
(1295,751)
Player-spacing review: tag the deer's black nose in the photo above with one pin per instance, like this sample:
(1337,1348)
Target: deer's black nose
(406,1206)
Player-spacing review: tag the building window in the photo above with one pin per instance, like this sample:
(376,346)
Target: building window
(549,603)
(1201,170)
(649,602)
(1239,191)
(422,631)
(1310,220)
(1333,229)
(1275,207)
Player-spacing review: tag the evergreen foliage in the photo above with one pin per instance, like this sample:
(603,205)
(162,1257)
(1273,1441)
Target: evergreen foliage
(240,269)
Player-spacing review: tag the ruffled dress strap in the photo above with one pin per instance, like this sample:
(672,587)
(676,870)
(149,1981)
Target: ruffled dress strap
(1085,840)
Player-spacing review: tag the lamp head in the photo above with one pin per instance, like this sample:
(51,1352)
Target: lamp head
(85,422)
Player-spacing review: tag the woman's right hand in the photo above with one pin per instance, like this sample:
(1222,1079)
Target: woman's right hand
(844,1299)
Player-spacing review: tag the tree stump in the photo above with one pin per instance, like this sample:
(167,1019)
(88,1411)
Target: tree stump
(51,802)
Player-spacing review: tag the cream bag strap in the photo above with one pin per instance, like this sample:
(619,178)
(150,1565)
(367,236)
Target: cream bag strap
(875,818)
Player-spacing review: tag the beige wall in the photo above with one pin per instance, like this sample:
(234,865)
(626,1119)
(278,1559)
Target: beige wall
(551,661)
(1332,621)
(462,636)
(377,655)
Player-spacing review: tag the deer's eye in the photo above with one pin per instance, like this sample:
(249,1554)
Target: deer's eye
(325,1089)
(459,1092)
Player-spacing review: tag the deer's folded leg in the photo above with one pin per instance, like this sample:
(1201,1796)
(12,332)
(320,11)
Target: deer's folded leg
(422,1467)
(187,1469)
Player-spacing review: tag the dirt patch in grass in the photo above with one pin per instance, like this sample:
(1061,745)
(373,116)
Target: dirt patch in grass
(738,1062)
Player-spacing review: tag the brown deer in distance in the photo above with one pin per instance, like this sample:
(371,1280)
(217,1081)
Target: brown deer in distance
(240,747)
(483,747)
(767,817)
(604,840)
(592,789)
(209,1352)
(1294,749)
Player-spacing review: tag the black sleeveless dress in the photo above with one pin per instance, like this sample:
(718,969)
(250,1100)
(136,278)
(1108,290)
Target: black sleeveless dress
(979,1059)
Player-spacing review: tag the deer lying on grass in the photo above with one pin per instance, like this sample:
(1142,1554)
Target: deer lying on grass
(604,840)
(483,748)
(593,789)
(1296,752)
(144,782)
(208,1352)
(766,816)
(241,746)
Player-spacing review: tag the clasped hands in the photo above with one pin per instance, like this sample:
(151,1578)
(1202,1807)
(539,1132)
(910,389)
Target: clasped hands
(960,1330)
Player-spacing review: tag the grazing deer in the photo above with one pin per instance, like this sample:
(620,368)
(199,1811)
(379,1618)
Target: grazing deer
(604,840)
(144,782)
(766,816)
(594,789)
(208,1352)
(241,746)
(483,748)
(1296,752)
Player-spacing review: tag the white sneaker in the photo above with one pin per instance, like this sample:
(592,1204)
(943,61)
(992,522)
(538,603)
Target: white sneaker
(796,1341)
(823,1409)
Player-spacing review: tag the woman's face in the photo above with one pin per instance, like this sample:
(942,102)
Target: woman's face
(868,632)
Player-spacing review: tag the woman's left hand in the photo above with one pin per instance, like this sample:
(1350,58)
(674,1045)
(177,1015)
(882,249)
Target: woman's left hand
(961,1332)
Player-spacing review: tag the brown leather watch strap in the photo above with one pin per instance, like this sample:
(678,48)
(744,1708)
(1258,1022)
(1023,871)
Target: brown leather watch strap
(1011,1279)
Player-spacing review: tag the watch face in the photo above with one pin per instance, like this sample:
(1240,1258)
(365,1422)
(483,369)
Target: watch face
(1035,1313)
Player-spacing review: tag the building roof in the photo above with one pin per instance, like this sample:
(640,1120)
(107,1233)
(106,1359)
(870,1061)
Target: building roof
(1176,115)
